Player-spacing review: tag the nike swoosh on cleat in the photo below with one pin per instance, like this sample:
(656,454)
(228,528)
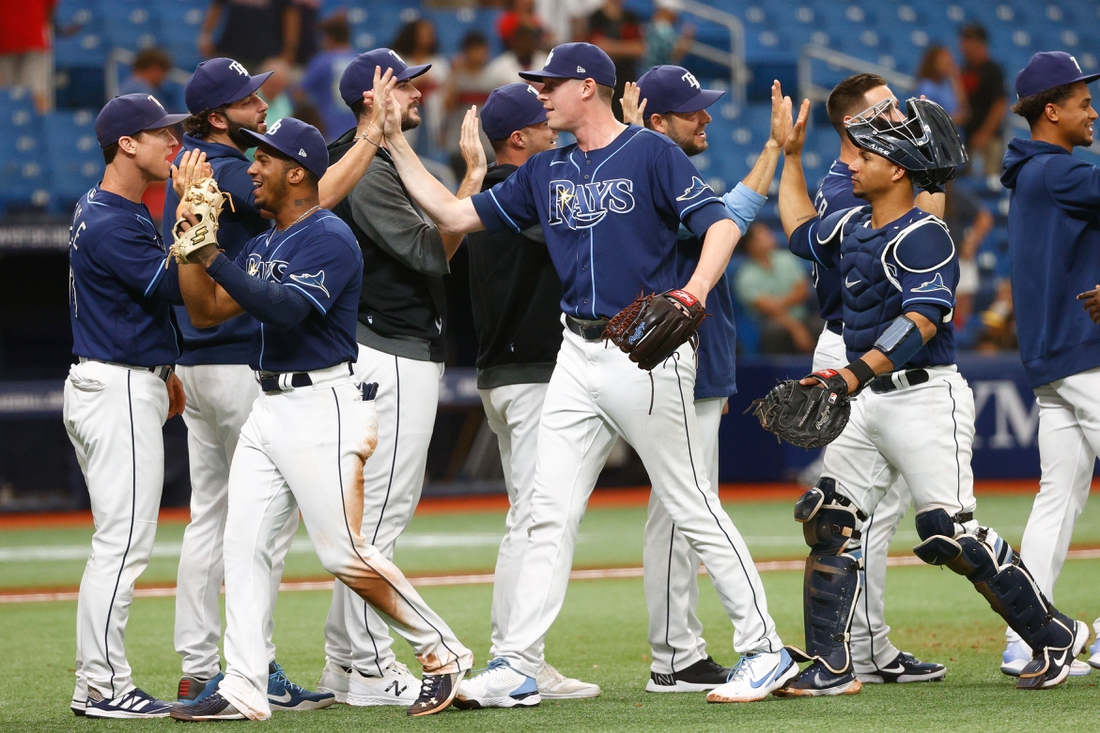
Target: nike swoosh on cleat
(755,684)
(899,670)
(285,697)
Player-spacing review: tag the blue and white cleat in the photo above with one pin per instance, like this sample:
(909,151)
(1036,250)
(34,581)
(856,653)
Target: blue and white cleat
(498,686)
(755,677)
(283,694)
(1017,655)
(134,704)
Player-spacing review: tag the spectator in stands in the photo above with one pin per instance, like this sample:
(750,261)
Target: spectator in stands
(148,76)
(308,13)
(969,223)
(416,44)
(524,55)
(998,331)
(253,30)
(663,45)
(320,86)
(938,79)
(518,14)
(274,90)
(25,49)
(565,20)
(774,287)
(618,32)
(470,83)
(984,84)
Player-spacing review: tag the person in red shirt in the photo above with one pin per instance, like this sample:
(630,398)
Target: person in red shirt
(25,49)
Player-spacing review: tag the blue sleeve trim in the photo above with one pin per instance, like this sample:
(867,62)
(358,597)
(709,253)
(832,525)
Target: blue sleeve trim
(156,278)
(313,300)
(697,204)
(503,213)
(945,303)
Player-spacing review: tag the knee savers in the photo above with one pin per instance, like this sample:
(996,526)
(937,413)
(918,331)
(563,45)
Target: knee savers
(828,520)
(979,554)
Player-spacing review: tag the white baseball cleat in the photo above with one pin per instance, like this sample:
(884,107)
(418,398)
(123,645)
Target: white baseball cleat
(1017,654)
(1094,650)
(335,679)
(553,685)
(499,686)
(397,686)
(755,676)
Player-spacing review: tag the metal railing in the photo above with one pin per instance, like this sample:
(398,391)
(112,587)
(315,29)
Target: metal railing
(734,58)
(809,53)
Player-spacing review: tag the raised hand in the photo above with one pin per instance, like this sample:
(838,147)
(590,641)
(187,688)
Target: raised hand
(633,111)
(469,142)
(192,167)
(797,137)
(373,127)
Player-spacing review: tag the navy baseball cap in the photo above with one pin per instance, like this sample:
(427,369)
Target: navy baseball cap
(1049,69)
(511,107)
(302,143)
(576,61)
(219,82)
(359,75)
(674,89)
(130,114)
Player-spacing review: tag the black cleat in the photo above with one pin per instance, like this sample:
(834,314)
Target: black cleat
(905,668)
(706,674)
(212,707)
(437,691)
(817,681)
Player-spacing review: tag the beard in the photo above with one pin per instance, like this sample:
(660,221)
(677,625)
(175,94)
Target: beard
(688,144)
(234,133)
(408,122)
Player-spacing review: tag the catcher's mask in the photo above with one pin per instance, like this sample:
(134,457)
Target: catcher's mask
(924,141)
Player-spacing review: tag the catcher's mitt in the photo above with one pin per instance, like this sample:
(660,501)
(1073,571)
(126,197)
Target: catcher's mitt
(205,200)
(807,416)
(651,328)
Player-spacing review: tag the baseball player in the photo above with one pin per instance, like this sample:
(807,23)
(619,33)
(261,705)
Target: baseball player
(673,103)
(515,295)
(915,413)
(402,312)
(1052,238)
(874,658)
(223,100)
(120,392)
(312,430)
(610,207)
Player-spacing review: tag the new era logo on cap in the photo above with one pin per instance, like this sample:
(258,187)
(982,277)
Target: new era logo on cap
(576,61)
(297,141)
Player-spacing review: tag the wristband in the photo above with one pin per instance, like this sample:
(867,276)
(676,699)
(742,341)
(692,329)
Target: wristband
(863,373)
(743,204)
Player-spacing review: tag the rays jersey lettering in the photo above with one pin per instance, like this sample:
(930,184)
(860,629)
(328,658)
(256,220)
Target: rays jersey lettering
(270,270)
(585,205)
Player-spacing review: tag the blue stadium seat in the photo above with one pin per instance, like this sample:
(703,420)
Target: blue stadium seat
(180,23)
(75,159)
(131,25)
(15,101)
(24,179)
(452,26)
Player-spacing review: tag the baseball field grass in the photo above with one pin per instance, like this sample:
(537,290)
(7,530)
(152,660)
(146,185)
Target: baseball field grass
(600,635)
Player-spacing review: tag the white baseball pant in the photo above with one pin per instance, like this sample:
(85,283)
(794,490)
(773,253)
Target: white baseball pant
(870,641)
(595,394)
(1069,442)
(306,449)
(513,413)
(219,400)
(408,396)
(671,568)
(114,415)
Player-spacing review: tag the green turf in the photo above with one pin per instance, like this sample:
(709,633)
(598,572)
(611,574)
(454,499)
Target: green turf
(609,537)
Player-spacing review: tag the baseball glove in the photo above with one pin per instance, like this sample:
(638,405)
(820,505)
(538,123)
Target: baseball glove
(806,416)
(652,327)
(205,200)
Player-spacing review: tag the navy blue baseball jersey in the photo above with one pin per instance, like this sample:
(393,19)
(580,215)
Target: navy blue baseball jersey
(908,265)
(835,194)
(122,284)
(320,259)
(716,375)
(229,342)
(610,216)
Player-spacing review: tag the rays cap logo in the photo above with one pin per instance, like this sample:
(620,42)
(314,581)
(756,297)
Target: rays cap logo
(219,82)
(511,107)
(674,89)
(576,61)
(296,140)
(359,75)
(1049,69)
(130,114)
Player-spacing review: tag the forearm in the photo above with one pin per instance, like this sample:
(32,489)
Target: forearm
(341,176)
(760,177)
(471,184)
(207,304)
(795,207)
(880,362)
(268,302)
(451,215)
(718,244)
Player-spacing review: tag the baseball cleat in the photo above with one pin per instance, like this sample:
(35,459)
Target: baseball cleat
(283,694)
(498,686)
(755,676)
(398,686)
(335,679)
(192,689)
(211,707)
(1051,667)
(553,685)
(78,706)
(905,668)
(437,692)
(704,675)
(134,704)
(1017,654)
(1094,650)
(817,681)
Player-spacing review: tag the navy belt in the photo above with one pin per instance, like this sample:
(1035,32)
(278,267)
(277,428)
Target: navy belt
(270,383)
(899,380)
(587,330)
(836,326)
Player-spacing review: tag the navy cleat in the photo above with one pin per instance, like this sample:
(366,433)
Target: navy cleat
(134,704)
(437,692)
(283,694)
(905,668)
(1051,666)
(211,707)
(192,689)
(817,681)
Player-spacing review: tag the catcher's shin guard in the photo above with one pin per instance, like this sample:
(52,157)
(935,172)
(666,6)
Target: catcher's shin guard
(833,579)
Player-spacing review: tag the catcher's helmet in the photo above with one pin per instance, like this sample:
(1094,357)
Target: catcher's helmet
(923,142)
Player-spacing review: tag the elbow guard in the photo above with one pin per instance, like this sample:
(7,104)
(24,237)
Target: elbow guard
(901,341)
(743,204)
